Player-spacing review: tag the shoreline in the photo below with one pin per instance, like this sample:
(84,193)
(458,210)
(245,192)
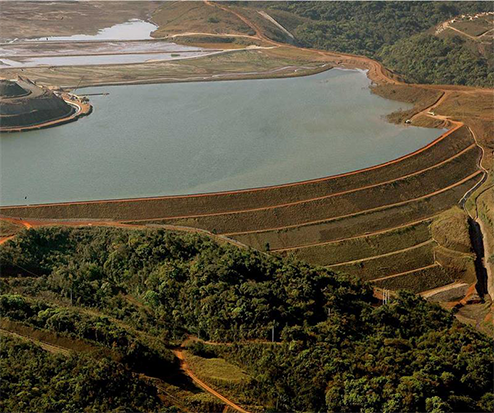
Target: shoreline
(245,190)
(374,70)
(213,78)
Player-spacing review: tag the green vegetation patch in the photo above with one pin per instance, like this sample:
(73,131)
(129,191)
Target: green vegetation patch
(217,371)
(395,32)
(428,59)
(149,356)
(419,364)
(187,284)
(337,348)
(33,380)
(8,228)
(225,377)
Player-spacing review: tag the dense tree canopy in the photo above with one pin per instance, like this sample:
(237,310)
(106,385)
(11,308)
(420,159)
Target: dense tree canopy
(33,380)
(386,30)
(429,59)
(337,348)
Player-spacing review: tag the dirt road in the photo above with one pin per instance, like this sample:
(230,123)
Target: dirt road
(444,288)
(5,239)
(185,367)
(52,348)
(405,273)
(388,254)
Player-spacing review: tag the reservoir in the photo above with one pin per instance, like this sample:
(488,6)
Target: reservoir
(183,138)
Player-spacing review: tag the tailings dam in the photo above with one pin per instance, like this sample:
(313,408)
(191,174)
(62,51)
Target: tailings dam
(185,138)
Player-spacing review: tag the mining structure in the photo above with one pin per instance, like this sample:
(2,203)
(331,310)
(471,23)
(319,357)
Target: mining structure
(26,106)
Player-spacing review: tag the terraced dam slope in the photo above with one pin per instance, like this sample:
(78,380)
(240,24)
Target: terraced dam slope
(374,222)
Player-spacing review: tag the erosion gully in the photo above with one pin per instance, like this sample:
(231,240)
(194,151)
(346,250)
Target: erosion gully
(477,240)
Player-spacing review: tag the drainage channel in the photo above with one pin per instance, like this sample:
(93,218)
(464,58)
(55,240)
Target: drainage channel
(477,241)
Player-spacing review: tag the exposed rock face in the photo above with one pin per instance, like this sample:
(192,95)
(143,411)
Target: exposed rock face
(23,104)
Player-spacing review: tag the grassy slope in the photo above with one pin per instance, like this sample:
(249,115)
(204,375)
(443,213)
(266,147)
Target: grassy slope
(178,17)
(227,378)
(43,19)
(398,262)
(8,228)
(360,224)
(340,205)
(366,246)
(420,280)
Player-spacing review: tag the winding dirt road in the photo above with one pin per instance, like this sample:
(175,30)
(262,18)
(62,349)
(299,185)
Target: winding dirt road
(185,367)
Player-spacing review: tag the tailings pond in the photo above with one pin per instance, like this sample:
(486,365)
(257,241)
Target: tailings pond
(167,139)
(124,43)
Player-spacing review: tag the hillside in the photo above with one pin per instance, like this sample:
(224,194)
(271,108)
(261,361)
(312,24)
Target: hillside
(400,34)
(129,297)
(380,223)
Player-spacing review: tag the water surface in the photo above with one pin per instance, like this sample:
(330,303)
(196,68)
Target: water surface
(181,138)
(133,29)
(89,60)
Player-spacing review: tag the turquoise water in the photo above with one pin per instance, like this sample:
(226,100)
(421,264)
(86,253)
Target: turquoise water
(151,140)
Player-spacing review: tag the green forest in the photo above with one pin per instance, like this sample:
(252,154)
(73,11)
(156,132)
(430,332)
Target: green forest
(123,299)
(33,380)
(397,33)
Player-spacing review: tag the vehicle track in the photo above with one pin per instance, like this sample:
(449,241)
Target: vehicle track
(374,257)
(52,348)
(185,367)
(444,288)
(406,272)
(366,235)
